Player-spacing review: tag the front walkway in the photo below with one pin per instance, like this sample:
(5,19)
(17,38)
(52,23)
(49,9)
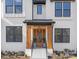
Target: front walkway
(73,57)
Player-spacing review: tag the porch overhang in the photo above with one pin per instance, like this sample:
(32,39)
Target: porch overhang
(39,21)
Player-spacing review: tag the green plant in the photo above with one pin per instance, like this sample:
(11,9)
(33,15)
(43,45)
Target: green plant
(34,39)
(66,50)
(25,55)
(16,54)
(20,53)
(44,40)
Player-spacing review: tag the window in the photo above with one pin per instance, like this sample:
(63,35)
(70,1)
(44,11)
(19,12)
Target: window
(13,6)
(66,9)
(62,35)
(9,6)
(62,9)
(18,6)
(58,9)
(39,9)
(13,34)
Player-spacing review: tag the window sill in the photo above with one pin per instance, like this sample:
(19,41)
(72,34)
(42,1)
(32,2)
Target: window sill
(62,17)
(14,15)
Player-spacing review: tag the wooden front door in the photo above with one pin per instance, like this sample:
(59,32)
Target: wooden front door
(39,38)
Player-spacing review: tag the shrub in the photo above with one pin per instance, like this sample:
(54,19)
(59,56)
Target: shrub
(20,53)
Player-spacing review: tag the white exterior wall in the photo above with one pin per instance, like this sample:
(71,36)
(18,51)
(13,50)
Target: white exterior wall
(64,22)
(48,13)
(15,20)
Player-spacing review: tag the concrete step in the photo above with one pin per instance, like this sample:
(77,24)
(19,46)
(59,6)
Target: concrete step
(39,53)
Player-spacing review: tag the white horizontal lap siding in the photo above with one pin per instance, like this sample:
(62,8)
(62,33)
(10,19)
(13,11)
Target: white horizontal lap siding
(49,9)
(14,20)
(73,35)
(13,46)
(63,22)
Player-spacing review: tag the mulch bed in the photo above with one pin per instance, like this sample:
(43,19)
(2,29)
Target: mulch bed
(13,57)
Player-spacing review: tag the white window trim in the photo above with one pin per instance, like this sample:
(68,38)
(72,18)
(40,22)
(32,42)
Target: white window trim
(14,14)
(62,11)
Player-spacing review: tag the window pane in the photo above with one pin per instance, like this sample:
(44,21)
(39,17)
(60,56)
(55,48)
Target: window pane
(9,34)
(9,9)
(18,9)
(18,6)
(58,13)
(66,31)
(58,31)
(66,39)
(58,9)
(66,12)
(66,5)
(66,35)
(18,2)
(39,9)
(8,2)
(58,35)
(66,9)
(58,5)
(13,34)
(9,6)
(18,34)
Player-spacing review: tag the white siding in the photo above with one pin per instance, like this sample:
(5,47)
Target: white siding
(13,46)
(64,22)
(71,23)
(48,13)
(73,35)
(15,20)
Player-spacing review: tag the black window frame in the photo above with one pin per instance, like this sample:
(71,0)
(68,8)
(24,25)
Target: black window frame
(61,38)
(13,34)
